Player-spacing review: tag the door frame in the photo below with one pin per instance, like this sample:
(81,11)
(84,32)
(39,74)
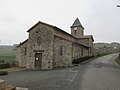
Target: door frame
(40,59)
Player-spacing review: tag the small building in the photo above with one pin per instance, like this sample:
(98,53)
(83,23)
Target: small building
(49,47)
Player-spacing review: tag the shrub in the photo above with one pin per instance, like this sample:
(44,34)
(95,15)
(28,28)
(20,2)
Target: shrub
(4,65)
(77,61)
(118,59)
(3,73)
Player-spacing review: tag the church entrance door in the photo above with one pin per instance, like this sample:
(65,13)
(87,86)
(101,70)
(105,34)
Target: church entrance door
(38,60)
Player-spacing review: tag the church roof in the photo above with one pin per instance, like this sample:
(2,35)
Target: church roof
(56,28)
(77,24)
(85,36)
(21,43)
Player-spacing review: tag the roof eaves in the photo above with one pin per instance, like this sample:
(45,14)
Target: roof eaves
(64,32)
(74,41)
(22,43)
(33,26)
(41,23)
(85,36)
(77,26)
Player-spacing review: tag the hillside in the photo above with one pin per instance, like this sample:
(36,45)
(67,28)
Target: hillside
(7,53)
(107,48)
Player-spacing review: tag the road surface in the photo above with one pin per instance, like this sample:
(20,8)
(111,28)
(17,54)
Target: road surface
(101,73)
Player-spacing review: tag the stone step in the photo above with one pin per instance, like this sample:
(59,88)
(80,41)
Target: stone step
(2,84)
(10,87)
(19,88)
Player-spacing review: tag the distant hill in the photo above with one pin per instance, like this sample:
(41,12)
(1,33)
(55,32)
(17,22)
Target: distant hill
(7,53)
(107,48)
(7,50)
(103,45)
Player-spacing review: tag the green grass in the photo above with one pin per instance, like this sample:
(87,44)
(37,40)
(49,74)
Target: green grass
(118,60)
(7,59)
(7,53)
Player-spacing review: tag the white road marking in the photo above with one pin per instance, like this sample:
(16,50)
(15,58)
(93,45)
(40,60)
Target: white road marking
(75,73)
(19,88)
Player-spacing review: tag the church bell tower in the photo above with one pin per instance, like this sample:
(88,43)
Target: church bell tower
(77,29)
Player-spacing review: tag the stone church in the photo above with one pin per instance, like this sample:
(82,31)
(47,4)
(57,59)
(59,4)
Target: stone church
(49,47)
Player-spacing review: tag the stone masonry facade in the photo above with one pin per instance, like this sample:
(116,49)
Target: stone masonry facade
(49,47)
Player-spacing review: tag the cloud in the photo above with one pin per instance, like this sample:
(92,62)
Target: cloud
(105,21)
(99,17)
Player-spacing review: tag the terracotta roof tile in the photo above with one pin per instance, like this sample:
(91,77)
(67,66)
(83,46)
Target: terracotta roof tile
(76,37)
(85,36)
(22,42)
(74,41)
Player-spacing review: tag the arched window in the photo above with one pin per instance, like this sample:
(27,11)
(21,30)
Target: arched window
(75,31)
(61,50)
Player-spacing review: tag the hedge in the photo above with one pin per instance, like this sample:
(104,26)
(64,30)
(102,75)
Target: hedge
(77,61)
(3,73)
(4,65)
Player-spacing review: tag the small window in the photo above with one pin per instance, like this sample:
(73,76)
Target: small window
(61,50)
(82,52)
(39,41)
(36,32)
(75,31)
(25,50)
(90,50)
(82,32)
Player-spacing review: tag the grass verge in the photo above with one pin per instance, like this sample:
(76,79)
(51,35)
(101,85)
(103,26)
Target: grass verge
(7,59)
(118,60)
(11,69)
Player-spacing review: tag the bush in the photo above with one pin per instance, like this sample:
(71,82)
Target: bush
(77,61)
(3,73)
(4,65)
(118,60)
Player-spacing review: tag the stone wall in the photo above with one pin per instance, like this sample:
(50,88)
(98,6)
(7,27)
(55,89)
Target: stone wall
(89,42)
(84,41)
(91,50)
(70,52)
(85,52)
(41,38)
(62,56)
(21,56)
(76,51)
(17,55)
(2,84)
(79,51)
(79,31)
(65,35)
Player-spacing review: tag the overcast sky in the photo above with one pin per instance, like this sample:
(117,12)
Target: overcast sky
(101,18)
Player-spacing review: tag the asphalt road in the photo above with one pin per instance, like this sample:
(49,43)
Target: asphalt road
(96,74)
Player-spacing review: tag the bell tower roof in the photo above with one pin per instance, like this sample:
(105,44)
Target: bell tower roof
(77,24)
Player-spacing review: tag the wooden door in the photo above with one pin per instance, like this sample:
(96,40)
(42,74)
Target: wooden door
(38,59)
